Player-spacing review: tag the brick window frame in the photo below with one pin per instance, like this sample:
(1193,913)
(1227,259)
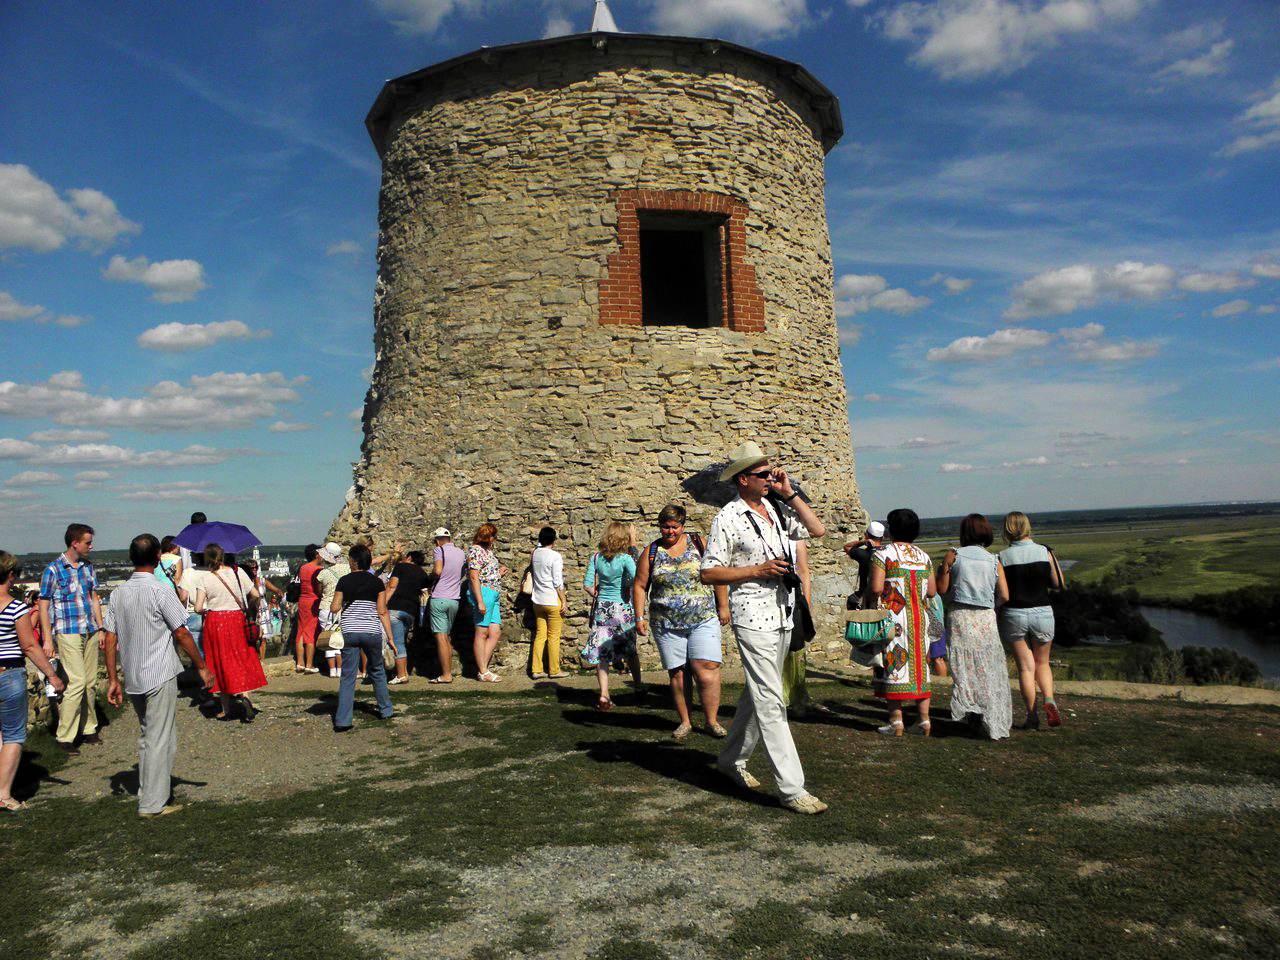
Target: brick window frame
(621,295)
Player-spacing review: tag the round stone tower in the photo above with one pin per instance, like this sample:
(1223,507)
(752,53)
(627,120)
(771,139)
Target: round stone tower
(603,264)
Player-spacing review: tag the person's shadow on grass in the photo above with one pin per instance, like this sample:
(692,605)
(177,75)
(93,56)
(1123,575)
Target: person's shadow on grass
(125,782)
(674,761)
(31,774)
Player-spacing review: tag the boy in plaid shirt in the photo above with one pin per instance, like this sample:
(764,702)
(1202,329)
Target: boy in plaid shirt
(71,613)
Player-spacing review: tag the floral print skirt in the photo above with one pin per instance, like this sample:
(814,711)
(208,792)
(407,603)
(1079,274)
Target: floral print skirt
(613,635)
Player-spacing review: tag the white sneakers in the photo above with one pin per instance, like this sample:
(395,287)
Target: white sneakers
(806,803)
(741,777)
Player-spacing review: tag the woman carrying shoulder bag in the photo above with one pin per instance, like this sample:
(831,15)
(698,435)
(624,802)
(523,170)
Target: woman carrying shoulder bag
(223,596)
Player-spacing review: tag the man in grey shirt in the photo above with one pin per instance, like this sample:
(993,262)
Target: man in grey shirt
(142,621)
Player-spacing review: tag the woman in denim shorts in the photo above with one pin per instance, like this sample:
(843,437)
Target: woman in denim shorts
(17,642)
(1026,620)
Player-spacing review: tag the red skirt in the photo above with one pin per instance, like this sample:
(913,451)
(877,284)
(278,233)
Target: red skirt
(233,663)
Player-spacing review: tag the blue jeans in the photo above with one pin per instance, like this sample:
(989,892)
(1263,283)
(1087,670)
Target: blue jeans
(13,705)
(195,623)
(400,624)
(352,644)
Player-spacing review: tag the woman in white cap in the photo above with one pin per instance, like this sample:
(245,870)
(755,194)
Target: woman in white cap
(335,568)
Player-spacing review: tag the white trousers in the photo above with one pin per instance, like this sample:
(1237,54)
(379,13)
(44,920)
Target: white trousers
(761,714)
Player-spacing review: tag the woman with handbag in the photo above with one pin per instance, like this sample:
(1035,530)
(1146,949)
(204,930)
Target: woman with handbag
(361,603)
(223,595)
(1031,571)
(901,582)
(485,573)
(975,585)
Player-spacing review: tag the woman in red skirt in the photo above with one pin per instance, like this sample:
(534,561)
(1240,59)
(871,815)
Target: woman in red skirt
(223,596)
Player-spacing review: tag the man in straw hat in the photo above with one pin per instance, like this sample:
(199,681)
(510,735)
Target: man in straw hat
(747,551)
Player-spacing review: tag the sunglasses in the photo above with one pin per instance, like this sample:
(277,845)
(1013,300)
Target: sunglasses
(761,474)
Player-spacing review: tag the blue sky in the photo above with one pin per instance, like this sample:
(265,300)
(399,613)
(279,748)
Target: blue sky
(1055,223)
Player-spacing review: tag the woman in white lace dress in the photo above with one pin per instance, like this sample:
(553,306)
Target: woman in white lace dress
(974,585)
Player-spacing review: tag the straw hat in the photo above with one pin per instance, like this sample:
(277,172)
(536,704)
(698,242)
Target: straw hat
(744,457)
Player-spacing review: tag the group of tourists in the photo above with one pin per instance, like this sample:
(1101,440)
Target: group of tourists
(750,573)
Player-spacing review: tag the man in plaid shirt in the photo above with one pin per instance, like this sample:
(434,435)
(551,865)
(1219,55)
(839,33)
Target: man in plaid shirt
(69,605)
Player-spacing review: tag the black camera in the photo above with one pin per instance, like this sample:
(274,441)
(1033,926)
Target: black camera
(791,579)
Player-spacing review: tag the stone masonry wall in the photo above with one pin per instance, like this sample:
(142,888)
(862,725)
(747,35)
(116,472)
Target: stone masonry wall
(498,394)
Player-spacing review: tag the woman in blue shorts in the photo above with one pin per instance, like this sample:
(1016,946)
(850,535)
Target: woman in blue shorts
(1026,619)
(17,642)
(486,576)
(686,617)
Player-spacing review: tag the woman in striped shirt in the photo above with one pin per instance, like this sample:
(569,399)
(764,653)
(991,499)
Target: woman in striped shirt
(17,642)
(361,600)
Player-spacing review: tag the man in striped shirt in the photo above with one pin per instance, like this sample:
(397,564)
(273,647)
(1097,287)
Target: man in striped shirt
(143,619)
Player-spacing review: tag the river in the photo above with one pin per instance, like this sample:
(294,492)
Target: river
(1182,628)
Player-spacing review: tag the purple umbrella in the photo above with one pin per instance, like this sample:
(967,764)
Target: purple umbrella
(231,537)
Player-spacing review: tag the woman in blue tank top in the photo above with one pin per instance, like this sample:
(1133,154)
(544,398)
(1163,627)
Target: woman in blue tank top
(974,584)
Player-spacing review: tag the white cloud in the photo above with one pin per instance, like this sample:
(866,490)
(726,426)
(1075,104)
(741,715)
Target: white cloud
(953,284)
(284,426)
(1026,462)
(343,246)
(1210,63)
(858,293)
(957,467)
(1084,344)
(1002,343)
(850,334)
(1214,282)
(964,39)
(67,436)
(1081,285)
(1262,121)
(872,398)
(217,401)
(171,281)
(106,454)
(422,16)
(1267,309)
(62,319)
(33,216)
(1267,269)
(558,25)
(175,337)
(86,479)
(356,414)
(1230,309)
(11,309)
(758,18)
(67,379)
(34,478)
(1087,345)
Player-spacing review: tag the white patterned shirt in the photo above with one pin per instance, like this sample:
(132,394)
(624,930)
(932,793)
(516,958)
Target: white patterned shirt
(735,542)
(144,614)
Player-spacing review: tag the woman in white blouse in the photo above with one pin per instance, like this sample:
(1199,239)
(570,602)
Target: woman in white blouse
(223,596)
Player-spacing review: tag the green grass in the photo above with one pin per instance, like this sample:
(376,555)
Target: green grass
(543,821)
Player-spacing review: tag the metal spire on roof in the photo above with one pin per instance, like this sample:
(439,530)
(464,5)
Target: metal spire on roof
(603,22)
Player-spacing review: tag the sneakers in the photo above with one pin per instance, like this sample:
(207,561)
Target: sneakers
(806,803)
(922,729)
(168,809)
(741,776)
(537,676)
(893,729)
(1051,714)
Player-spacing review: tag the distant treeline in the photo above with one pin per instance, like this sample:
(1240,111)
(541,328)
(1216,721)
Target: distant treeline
(1198,665)
(1085,611)
(1256,608)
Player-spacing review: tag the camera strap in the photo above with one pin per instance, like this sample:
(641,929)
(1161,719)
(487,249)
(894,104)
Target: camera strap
(769,551)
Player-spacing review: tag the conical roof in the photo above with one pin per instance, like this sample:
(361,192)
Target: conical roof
(603,21)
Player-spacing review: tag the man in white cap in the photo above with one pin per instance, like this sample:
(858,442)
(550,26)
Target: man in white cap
(860,551)
(747,550)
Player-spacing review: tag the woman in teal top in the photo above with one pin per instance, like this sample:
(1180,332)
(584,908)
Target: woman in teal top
(612,638)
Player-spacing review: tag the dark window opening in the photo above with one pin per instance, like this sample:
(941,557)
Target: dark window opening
(680,270)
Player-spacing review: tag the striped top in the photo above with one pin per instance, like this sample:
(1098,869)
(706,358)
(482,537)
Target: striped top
(360,592)
(10,649)
(144,614)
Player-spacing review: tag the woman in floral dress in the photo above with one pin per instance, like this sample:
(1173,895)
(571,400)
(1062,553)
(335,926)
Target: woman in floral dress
(486,583)
(902,581)
(613,622)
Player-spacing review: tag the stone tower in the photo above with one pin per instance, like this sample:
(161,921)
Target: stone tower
(603,263)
